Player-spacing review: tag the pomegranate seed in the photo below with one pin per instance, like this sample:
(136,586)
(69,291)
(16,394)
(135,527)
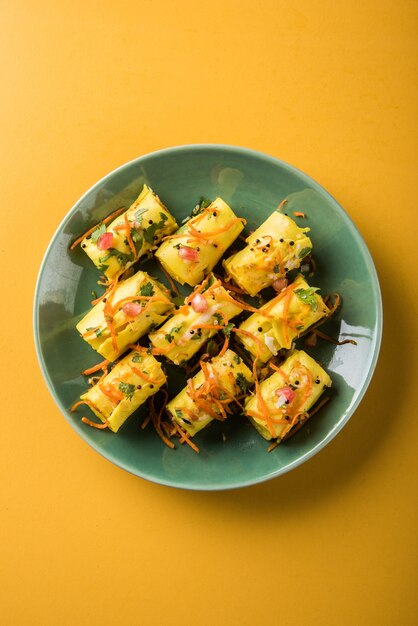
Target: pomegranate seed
(199,304)
(131,309)
(105,241)
(188,254)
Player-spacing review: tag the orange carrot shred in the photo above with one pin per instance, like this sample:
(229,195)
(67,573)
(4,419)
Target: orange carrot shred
(93,228)
(100,366)
(95,424)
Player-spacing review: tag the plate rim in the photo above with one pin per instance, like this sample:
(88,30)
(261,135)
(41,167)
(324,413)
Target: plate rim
(378,305)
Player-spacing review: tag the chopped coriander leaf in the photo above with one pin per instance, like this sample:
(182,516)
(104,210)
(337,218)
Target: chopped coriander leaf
(99,332)
(102,267)
(127,389)
(152,229)
(168,337)
(242,382)
(178,300)
(228,329)
(163,216)
(147,289)
(121,257)
(179,413)
(304,252)
(195,337)
(307,296)
(276,268)
(177,329)
(137,358)
(236,359)
(100,230)
(218,317)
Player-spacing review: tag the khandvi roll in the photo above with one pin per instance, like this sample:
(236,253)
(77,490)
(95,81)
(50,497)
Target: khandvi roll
(130,235)
(283,400)
(281,320)
(206,311)
(194,250)
(136,306)
(115,397)
(276,247)
(208,395)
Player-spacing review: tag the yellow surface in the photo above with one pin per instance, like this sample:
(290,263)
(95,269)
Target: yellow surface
(327,86)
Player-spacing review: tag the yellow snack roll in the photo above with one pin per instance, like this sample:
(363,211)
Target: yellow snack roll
(281,320)
(136,306)
(283,400)
(193,251)
(130,235)
(134,379)
(276,247)
(209,393)
(207,310)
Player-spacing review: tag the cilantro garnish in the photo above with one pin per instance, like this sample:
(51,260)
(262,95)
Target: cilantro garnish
(218,317)
(121,257)
(100,230)
(307,296)
(228,329)
(304,252)
(179,413)
(127,389)
(242,382)
(149,232)
(147,289)
(276,268)
(137,358)
(168,337)
(236,359)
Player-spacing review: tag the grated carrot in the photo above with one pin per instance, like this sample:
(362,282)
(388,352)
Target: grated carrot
(100,366)
(331,340)
(299,214)
(184,437)
(113,394)
(91,230)
(100,426)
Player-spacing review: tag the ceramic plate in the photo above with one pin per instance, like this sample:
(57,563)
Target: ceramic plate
(232,454)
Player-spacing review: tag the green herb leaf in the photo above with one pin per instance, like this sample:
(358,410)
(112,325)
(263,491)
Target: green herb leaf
(228,329)
(99,332)
(218,317)
(307,296)
(195,337)
(304,252)
(242,382)
(179,413)
(100,230)
(163,216)
(127,389)
(168,337)
(178,300)
(137,358)
(276,268)
(147,289)
(236,359)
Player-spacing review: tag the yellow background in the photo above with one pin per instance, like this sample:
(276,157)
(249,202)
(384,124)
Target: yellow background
(325,85)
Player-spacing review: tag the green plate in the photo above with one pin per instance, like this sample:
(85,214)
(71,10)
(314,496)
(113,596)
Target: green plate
(232,454)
